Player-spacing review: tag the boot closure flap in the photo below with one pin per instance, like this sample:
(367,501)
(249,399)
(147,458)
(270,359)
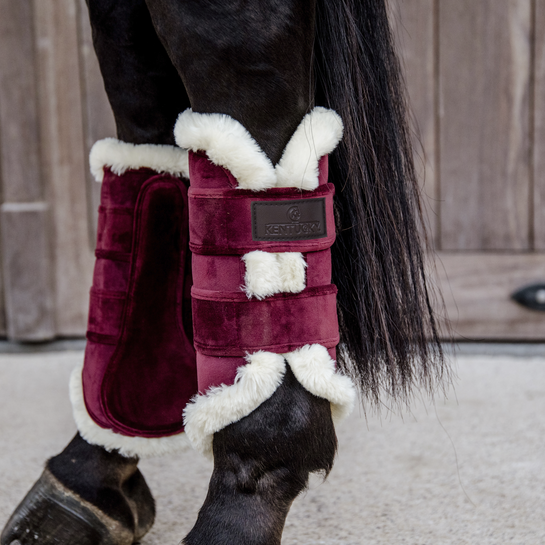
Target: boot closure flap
(229,324)
(235,222)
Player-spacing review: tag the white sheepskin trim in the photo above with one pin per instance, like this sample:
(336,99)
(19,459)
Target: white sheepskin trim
(268,273)
(317,135)
(142,447)
(220,406)
(315,370)
(292,271)
(229,145)
(122,156)
(256,382)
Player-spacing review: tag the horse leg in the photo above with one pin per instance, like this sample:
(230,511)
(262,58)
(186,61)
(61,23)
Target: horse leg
(88,494)
(250,62)
(261,464)
(85,495)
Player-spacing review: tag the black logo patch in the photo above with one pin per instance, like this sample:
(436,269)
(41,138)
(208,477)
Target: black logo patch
(289,220)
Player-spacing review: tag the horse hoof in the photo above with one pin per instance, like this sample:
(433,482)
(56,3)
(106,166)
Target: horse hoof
(51,514)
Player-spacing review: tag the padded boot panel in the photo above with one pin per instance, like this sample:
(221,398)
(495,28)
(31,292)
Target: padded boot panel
(152,375)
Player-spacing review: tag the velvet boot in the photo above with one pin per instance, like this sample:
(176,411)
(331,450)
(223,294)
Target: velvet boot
(139,369)
(265,321)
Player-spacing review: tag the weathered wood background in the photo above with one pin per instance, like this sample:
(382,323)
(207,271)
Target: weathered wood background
(52,108)
(476,76)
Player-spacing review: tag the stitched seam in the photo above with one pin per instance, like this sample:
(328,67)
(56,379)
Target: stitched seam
(245,194)
(268,245)
(107,294)
(286,347)
(113,255)
(236,297)
(115,210)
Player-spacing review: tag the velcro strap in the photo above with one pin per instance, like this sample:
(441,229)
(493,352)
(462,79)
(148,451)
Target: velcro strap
(229,324)
(106,311)
(235,221)
(115,227)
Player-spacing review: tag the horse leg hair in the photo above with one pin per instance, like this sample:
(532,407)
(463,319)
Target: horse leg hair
(261,464)
(251,61)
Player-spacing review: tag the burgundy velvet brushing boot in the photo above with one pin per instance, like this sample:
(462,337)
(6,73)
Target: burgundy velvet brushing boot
(139,370)
(265,321)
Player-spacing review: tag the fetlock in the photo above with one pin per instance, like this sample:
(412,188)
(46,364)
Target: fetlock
(261,464)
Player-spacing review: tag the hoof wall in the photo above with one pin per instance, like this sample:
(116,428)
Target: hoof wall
(50,514)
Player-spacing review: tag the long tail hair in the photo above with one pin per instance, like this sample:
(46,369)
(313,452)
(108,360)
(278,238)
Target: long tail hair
(389,336)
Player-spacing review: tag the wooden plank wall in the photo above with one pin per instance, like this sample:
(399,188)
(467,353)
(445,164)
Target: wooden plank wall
(63,158)
(476,80)
(538,156)
(484,89)
(52,108)
(24,213)
(489,125)
(413,24)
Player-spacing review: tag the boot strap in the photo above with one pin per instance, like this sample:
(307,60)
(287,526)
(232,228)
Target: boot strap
(235,221)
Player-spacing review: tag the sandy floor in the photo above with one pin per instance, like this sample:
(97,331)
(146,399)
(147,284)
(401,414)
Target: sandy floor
(467,470)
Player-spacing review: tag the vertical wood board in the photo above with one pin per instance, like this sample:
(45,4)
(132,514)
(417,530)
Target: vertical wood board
(413,25)
(25,233)
(539,129)
(27,269)
(63,149)
(484,71)
(19,125)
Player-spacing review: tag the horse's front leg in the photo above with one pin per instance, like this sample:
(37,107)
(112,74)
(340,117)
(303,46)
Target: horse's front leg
(264,353)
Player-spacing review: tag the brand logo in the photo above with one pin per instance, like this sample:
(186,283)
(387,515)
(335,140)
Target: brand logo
(283,220)
(294,214)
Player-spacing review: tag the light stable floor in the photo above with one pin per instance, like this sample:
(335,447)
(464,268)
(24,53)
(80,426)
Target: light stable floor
(467,470)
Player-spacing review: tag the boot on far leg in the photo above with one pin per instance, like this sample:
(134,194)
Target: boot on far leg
(85,493)
(261,464)
(139,366)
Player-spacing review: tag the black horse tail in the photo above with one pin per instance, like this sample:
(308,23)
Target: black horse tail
(389,335)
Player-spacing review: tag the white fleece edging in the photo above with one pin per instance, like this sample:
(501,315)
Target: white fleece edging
(315,370)
(256,382)
(142,447)
(317,135)
(268,273)
(222,405)
(228,144)
(122,156)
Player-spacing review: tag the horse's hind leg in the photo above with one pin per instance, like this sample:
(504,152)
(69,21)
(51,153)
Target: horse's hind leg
(272,426)
(87,494)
